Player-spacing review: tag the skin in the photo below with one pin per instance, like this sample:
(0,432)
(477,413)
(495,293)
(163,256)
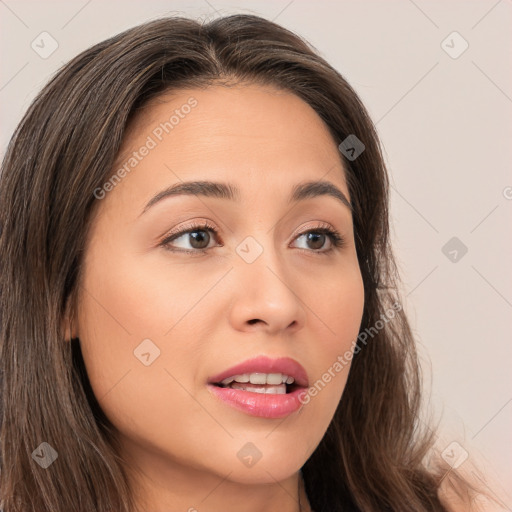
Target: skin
(179,441)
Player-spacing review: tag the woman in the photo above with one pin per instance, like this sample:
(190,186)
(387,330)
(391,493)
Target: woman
(199,302)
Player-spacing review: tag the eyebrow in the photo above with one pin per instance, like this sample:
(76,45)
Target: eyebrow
(219,190)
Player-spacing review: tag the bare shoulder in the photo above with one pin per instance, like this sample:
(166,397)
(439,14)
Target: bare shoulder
(466,490)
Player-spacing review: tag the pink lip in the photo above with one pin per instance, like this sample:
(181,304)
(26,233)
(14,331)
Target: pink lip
(260,404)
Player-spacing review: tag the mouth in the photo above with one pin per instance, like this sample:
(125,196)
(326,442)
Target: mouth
(265,387)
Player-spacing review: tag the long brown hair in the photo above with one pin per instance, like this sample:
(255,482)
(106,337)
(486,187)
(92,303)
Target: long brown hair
(372,455)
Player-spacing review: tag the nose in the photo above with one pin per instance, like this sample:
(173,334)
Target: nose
(266,296)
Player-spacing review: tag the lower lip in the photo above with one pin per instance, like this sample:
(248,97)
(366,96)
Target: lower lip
(263,405)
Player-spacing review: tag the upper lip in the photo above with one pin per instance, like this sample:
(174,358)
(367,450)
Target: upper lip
(264,364)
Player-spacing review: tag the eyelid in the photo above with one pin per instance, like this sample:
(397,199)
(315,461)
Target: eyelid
(319,225)
(197,225)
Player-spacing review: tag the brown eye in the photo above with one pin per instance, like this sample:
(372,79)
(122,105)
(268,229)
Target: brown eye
(195,239)
(198,239)
(316,238)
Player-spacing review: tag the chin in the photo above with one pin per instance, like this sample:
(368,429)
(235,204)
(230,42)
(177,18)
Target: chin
(265,465)
(260,473)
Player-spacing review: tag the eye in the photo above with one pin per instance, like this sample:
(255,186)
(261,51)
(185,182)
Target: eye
(317,237)
(197,236)
(199,239)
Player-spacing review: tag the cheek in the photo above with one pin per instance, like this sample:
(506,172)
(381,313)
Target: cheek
(134,296)
(128,317)
(338,308)
(137,309)
(338,305)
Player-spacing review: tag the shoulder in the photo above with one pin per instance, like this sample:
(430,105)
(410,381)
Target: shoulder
(467,491)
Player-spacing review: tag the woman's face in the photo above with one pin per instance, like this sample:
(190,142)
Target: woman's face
(159,319)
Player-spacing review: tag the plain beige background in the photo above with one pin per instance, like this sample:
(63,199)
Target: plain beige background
(444,117)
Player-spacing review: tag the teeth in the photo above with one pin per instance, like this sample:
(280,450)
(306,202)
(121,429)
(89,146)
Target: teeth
(274,379)
(274,390)
(258,378)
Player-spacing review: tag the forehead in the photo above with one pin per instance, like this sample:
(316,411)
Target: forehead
(250,135)
(224,110)
(262,119)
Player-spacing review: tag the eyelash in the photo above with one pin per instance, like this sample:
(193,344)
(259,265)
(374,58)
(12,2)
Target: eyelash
(337,240)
